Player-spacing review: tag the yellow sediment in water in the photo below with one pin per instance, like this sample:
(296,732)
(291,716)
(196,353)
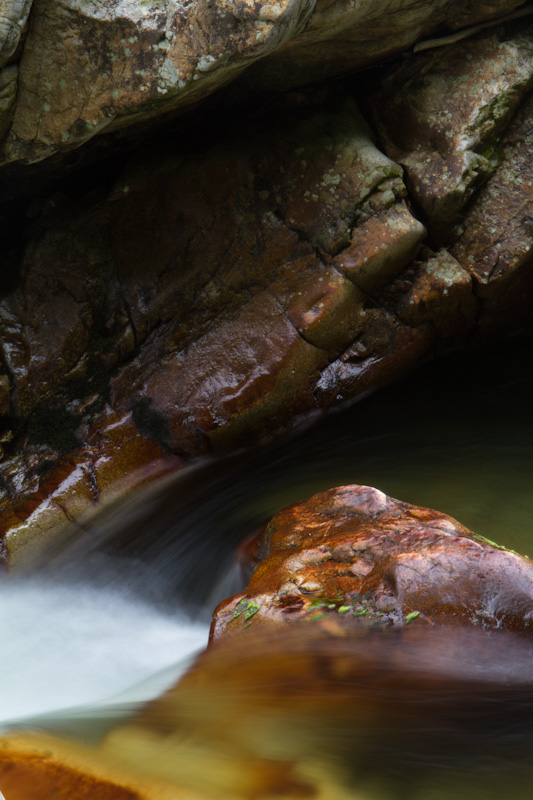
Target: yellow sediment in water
(134,764)
(36,766)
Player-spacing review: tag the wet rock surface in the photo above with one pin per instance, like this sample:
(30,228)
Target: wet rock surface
(353,552)
(45,491)
(442,114)
(217,292)
(148,59)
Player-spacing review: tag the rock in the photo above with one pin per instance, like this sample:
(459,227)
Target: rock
(151,59)
(8,93)
(438,293)
(12,26)
(46,495)
(346,38)
(218,293)
(442,114)
(193,333)
(323,710)
(355,552)
(497,240)
(201,346)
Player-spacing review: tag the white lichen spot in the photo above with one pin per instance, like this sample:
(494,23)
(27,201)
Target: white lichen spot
(168,73)
(331,179)
(206,63)
(270,12)
(445,272)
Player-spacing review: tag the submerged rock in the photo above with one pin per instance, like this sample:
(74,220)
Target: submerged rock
(34,766)
(353,552)
(325,711)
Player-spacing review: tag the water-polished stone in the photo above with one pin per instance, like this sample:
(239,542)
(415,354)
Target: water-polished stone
(353,552)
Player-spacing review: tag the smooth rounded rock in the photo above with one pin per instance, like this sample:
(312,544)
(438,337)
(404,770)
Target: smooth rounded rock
(354,553)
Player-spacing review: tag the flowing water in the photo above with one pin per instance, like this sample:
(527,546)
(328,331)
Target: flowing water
(116,613)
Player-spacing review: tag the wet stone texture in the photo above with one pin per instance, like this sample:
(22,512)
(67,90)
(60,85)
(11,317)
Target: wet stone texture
(55,490)
(204,299)
(441,115)
(354,552)
(360,703)
(147,59)
(218,293)
(497,242)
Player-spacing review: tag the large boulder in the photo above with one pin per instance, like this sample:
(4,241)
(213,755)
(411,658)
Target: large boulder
(200,302)
(441,115)
(218,292)
(355,552)
(88,68)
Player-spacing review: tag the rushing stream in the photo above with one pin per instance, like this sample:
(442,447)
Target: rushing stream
(116,613)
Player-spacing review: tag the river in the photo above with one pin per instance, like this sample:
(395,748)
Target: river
(115,616)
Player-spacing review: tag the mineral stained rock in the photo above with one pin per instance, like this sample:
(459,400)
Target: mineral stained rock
(217,293)
(441,115)
(354,552)
(496,244)
(202,299)
(89,68)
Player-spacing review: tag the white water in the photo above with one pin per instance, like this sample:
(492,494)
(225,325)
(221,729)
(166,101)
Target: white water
(65,647)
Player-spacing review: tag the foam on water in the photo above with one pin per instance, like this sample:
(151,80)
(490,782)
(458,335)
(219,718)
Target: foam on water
(70,646)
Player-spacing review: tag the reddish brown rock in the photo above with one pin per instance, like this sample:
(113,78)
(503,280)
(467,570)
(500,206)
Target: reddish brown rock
(437,292)
(32,777)
(36,765)
(215,296)
(357,553)
(147,60)
(204,300)
(496,246)
(206,285)
(441,116)
(39,506)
